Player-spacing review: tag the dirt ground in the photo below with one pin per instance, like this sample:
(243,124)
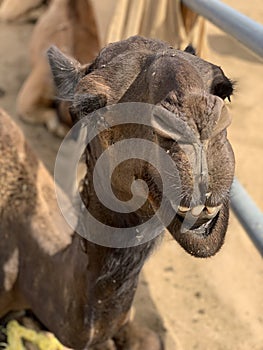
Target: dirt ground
(194,304)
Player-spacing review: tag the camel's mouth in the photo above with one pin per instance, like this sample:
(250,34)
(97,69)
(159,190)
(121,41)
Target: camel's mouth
(201,235)
(198,219)
(201,227)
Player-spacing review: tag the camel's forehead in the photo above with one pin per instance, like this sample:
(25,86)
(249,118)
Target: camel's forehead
(144,72)
(174,71)
(185,83)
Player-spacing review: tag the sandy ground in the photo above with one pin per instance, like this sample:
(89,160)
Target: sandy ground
(194,304)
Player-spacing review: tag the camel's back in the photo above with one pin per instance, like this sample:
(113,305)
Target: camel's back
(17,169)
(27,194)
(31,225)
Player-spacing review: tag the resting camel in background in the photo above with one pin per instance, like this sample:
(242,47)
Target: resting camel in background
(81,291)
(71,25)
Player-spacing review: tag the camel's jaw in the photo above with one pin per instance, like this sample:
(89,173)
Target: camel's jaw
(202,240)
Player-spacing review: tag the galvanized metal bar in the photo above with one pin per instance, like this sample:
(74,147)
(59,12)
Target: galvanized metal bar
(248,214)
(241,27)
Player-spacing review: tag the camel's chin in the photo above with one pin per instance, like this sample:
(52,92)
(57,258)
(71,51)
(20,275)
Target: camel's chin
(205,240)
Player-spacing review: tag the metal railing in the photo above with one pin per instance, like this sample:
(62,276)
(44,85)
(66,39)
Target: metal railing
(250,34)
(241,27)
(248,214)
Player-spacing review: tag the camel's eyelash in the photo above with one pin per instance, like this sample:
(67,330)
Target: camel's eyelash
(224,89)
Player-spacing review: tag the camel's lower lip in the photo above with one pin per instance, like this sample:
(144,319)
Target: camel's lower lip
(203,230)
(206,239)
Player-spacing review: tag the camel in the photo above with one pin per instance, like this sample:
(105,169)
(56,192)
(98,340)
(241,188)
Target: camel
(71,25)
(82,291)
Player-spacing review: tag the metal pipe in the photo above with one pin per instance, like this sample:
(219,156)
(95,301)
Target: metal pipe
(241,27)
(248,214)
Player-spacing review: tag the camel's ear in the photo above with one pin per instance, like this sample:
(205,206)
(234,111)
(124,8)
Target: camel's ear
(66,72)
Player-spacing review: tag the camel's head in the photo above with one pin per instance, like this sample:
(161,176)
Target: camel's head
(183,97)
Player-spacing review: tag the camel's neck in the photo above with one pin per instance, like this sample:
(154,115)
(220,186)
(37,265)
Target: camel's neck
(114,286)
(115,271)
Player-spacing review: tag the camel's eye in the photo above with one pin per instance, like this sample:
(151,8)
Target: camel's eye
(222,86)
(223,89)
